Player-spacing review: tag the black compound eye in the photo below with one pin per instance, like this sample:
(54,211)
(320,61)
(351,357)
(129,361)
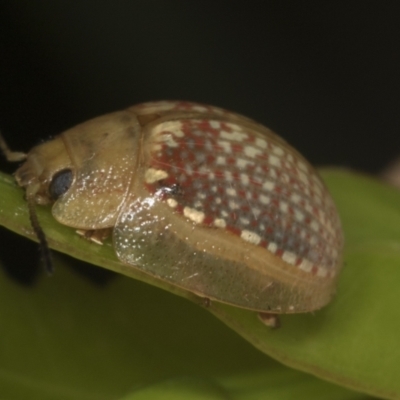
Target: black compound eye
(60,183)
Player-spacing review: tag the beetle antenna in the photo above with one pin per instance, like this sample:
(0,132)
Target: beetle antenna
(12,156)
(15,156)
(44,247)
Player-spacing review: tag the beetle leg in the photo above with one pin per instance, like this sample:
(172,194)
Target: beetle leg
(95,235)
(271,320)
(205,302)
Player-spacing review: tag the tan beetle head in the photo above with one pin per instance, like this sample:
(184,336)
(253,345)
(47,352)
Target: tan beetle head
(45,175)
(46,172)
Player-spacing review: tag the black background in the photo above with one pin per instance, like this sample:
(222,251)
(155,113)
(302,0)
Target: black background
(324,75)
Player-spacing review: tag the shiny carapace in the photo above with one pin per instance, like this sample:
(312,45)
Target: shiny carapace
(197,196)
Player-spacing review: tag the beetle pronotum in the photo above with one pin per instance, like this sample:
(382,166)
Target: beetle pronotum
(198,196)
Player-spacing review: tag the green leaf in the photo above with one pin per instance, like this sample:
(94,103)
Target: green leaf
(78,341)
(68,339)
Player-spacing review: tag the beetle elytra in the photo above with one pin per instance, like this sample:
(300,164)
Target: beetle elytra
(198,196)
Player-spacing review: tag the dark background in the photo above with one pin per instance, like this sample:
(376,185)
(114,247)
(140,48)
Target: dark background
(324,75)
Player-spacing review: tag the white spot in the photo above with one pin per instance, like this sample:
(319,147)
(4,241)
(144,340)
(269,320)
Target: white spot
(298,215)
(322,272)
(214,188)
(272,247)
(303,177)
(302,166)
(224,213)
(275,161)
(233,205)
(178,133)
(153,175)
(220,223)
(198,204)
(169,126)
(228,176)
(250,237)
(218,200)
(305,265)
(231,192)
(273,174)
(289,257)
(268,185)
(314,225)
(285,178)
(235,136)
(259,170)
(221,160)
(251,151)
(194,215)
(290,158)
(200,109)
(215,124)
(278,150)
(234,127)
(244,221)
(172,203)
(244,179)
(204,169)
(283,206)
(169,140)
(201,195)
(308,207)
(242,163)
(264,199)
(189,170)
(261,143)
(226,146)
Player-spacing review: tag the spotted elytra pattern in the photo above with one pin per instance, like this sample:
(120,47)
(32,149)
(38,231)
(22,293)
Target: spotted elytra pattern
(200,197)
(227,176)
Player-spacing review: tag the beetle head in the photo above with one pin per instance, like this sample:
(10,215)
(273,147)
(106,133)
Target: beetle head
(42,165)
